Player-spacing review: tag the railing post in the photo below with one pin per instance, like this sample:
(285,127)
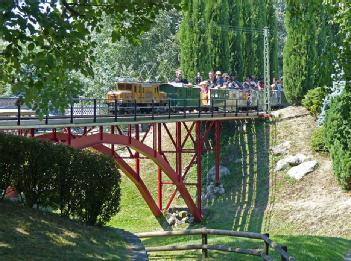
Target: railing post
(94,110)
(258,104)
(46,119)
(211,107)
(135,110)
(184,108)
(169,108)
(285,248)
(71,114)
(236,107)
(266,245)
(19,113)
(225,107)
(152,109)
(199,108)
(204,242)
(115,110)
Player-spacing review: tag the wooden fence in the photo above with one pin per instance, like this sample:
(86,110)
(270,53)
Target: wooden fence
(205,247)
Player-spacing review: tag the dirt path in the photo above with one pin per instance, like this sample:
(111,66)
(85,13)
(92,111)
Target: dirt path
(314,205)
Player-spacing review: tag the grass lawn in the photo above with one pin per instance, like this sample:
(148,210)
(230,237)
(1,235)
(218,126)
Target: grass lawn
(29,234)
(250,204)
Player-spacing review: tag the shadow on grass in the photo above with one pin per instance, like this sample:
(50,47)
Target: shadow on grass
(245,152)
(27,234)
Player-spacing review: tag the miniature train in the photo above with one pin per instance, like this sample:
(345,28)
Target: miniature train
(145,97)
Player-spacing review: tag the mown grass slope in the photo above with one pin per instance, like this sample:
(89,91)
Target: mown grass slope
(29,234)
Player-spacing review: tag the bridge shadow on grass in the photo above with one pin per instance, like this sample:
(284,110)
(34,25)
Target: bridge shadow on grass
(28,234)
(245,153)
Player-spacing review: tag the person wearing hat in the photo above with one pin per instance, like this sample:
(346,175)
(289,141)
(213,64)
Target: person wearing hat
(212,81)
(220,79)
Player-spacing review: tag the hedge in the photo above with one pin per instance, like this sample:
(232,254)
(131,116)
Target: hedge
(313,100)
(338,137)
(80,184)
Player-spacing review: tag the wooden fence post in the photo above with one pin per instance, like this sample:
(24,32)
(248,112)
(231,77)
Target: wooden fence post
(285,248)
(204,242)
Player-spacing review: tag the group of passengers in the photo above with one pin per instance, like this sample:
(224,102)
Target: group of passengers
(225,81)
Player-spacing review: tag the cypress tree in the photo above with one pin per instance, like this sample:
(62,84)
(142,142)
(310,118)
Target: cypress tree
(201,63)
(271,22)
(258,16)
(186,35)
(234,37)
(247,39)
(300,49)
(217,32)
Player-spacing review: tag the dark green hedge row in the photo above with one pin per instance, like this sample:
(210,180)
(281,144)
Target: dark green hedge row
(81,184)
(338,137)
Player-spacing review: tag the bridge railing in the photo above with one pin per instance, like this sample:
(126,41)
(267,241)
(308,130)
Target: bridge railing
(264,252)
(95,109)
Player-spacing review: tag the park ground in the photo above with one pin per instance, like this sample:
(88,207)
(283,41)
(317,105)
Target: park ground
(310,216)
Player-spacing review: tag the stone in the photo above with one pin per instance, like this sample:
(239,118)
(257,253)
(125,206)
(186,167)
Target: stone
(171,220)
(281,148)
(298,172)
(296,159)
(182,214)
(290,161)
(223,171)
(221,191)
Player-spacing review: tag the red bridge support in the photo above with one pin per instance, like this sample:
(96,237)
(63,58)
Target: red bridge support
(185,138)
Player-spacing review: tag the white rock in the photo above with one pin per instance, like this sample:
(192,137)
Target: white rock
(282,164)
(298,172)
(221,191)
(172,220)
(281,148)
(296,160)
(223,171)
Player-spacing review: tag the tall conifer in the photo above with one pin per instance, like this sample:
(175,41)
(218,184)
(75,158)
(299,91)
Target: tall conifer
(234,37)
(300,48)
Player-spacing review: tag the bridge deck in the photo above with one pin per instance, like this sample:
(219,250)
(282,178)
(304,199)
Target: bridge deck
(67,121)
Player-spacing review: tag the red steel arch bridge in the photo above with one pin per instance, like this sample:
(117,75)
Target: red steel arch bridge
(142,135)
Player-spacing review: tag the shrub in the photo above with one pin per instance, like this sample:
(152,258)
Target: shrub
(338,137)
(81,184)
(318,140)
(313,100)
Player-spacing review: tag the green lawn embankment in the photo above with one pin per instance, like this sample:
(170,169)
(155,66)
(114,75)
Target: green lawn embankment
(29,234)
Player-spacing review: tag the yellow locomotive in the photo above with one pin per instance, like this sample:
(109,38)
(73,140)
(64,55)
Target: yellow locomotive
(129,94)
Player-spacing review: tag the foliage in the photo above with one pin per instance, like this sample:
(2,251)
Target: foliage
(48,41)
(300,49)
(313,100)
(80,184)
(212,38)
(155,57)
(318,139)
(338,137)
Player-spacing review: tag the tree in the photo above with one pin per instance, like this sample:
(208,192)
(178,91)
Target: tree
(247,39)
(216,13)
(48,41)
(155,58)
(300,49)
(235,48)
(271,22)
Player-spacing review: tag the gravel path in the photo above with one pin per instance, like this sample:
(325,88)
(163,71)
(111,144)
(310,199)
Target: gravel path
(135,247)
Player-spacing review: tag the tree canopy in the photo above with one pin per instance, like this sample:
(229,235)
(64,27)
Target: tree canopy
(48,40)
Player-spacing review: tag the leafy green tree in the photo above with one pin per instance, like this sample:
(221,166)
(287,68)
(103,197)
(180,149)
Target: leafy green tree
(247,39)
(48,41)
(300,48)
(155,57)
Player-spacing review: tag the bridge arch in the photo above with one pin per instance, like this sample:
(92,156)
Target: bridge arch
(98,140)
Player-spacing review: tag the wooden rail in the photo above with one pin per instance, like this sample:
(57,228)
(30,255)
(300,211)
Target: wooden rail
(204,232)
